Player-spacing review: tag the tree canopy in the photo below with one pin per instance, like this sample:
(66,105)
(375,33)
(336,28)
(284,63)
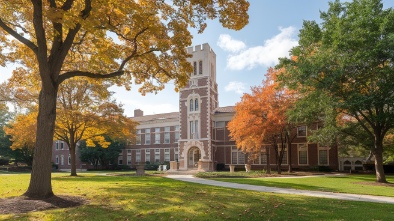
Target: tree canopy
(260,118)
(347,60)
(140,41)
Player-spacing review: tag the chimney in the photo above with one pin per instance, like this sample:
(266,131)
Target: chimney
(138,113)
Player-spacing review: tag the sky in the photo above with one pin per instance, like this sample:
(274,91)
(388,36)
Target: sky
(242,57)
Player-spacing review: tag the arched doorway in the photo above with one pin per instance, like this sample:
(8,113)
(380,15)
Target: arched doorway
(194,155)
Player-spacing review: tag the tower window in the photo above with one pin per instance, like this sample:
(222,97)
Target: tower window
(195,68)
(200,67)
(196,104)
(191,105)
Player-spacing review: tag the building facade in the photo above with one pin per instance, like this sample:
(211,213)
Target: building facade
(197,136)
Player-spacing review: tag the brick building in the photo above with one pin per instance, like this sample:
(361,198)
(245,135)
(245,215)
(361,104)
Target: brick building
(197,136)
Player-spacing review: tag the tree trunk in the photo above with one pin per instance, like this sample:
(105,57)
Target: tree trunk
(267,150)
(290,170)
(378,153)
(40,182)
(72,156)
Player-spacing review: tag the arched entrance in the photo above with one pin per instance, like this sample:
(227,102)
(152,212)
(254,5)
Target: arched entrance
(194,155)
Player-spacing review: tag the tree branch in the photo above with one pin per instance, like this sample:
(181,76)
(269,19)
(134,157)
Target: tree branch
(71,74)
(15,34)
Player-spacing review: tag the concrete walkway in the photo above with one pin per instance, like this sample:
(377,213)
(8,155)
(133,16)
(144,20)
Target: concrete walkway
(340,196)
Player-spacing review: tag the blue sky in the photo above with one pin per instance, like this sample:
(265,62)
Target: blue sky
(243,57)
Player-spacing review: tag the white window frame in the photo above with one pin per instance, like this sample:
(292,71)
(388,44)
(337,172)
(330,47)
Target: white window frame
(302,147)
(157,135)
(57,160)
(147,135)
(138,138)
(138,156)
(167,155)
(240,156)
(306,131)
(328,155)
(157,155)
(177,134)
(148,153)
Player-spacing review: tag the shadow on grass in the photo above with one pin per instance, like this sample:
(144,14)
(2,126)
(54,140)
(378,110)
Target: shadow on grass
(157,198)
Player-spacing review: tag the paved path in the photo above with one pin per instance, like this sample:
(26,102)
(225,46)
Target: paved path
(341,196)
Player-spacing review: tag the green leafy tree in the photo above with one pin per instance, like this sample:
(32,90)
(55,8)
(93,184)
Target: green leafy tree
(126,41)
(348,61)
(5,142)
(101,156)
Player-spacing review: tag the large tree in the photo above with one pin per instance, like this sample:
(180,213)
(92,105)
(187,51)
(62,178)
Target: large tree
(260,119)
(149,49)
(348,61)
(86,111)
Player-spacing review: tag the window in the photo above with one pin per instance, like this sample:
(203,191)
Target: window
(196,104)
(138,138)
(220,124)
(193,126)
(176,134)
(263,158)
(128,157)
(57,145)
(137,156)
(147,136)
(147,155)
(166,155)
(62,159)
(301,131)
(195,68)
(120,160)
(196,130)
(200,67)
(157,155)
(166,134)
(323,155)
(237,157)
(284,159)
(191,105)
(157,135)
(176,154)
(69,160)
(302,154)
(57,159)
(61,145)
(128,160)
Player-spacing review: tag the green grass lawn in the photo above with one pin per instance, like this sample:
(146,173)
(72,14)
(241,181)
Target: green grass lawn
(160,198)
(358,184)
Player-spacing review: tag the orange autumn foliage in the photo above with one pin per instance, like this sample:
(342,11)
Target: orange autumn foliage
(261,115)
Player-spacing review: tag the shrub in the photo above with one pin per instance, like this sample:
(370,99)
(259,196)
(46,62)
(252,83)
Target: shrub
(220,166)
(4,161)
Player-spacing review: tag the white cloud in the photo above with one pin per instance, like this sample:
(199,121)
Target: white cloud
(266,55)
(236,86)
(226,43)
